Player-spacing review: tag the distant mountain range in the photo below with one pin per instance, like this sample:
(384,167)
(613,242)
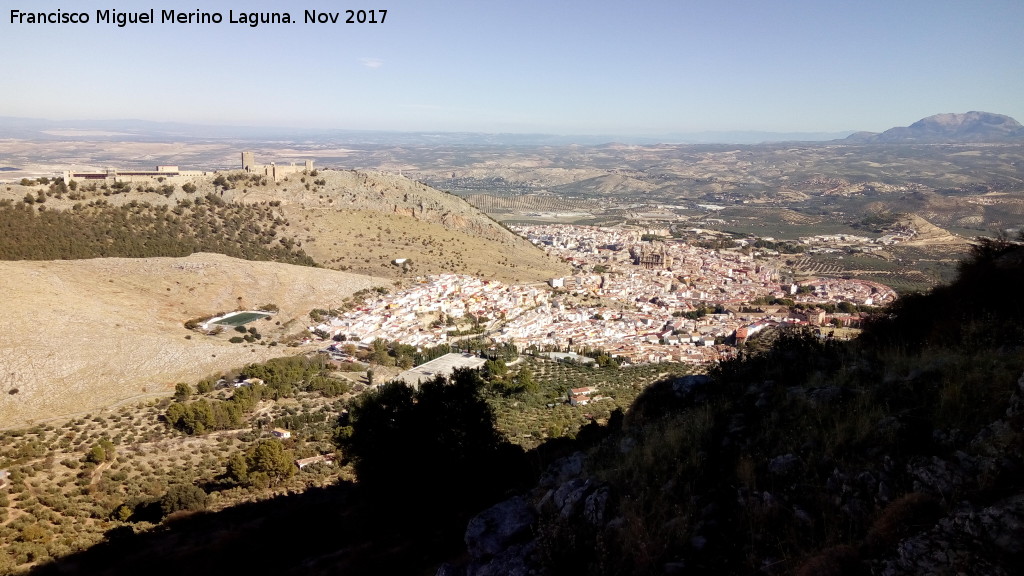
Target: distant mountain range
(133,130)
(951,128)
(968,127)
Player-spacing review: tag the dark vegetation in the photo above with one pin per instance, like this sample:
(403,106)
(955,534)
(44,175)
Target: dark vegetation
(877,221)
(426,461)
(981,309)
(442,435)
(814,456)
(140,230)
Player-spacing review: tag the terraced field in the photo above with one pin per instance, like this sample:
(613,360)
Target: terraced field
(64,495)
(528,419)
(905,268)
(493,204)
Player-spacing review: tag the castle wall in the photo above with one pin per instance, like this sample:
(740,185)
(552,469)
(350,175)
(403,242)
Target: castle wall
(273,170)
(171,174)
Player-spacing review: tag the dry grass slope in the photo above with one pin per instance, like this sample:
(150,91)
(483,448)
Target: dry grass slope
(80,335)
(368,242)
(354,220)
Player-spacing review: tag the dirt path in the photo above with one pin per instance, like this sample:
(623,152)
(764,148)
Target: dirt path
(97,473)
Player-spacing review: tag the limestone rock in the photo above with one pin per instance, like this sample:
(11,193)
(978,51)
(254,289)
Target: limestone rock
(495,529)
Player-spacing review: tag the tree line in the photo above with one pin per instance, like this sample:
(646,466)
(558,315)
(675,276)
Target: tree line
(142,230)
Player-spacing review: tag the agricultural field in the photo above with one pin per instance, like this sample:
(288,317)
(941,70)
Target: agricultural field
(529,418)
(491,203)
(778,223)
(71,484)
(904,268)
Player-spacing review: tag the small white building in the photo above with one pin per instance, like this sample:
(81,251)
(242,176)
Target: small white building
(321,459)
(443,366)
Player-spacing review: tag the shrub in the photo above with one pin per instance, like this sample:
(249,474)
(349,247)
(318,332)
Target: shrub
(182,391)
(183,497)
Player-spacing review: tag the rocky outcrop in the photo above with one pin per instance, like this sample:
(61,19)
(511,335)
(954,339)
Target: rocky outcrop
(956,510)
(391,193)
(504,540)
(499,527)
(988,541)
(974,539)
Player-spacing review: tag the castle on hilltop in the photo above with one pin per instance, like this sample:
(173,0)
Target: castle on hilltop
(273,170)
(173,175)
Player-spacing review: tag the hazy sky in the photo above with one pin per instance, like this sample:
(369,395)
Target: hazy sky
(553,66)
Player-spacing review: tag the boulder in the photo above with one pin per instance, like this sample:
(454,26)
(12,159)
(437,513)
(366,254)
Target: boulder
(562,470)
(495,529)
(784,465)
(569,496)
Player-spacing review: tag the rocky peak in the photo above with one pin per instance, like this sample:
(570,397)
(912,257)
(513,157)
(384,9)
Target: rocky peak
(950,128)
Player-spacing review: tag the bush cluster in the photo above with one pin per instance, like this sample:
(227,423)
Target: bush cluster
(142,230)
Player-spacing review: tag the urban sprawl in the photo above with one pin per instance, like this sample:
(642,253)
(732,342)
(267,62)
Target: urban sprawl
(645,301)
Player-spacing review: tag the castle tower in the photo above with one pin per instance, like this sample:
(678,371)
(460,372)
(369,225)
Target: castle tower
(247,161)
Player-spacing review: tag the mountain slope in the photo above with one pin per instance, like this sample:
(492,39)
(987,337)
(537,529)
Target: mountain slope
(363,221)
(899,453)
(347,220)
(608,185)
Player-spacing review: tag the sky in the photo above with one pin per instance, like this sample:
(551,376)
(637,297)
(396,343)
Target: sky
(525,66)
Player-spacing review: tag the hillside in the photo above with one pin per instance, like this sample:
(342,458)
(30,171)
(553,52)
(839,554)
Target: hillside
(87,327)
(898,454)
(362,221)
(610,185)
(83,334)
(929,235)
(346,220)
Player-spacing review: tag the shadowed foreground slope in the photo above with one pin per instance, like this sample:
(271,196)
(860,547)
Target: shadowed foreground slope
(897,454)
(321,531)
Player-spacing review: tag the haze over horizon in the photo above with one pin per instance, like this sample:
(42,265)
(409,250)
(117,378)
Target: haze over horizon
(528,67)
